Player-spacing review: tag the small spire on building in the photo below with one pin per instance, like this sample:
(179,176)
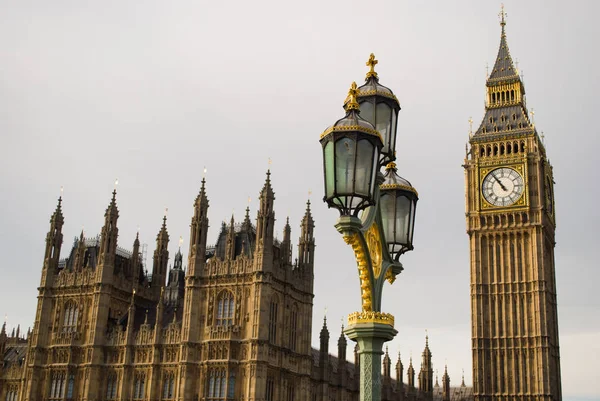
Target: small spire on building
(463,379)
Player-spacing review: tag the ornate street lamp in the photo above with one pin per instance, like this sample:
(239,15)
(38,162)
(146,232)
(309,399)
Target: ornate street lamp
(380,107)
(377,213)
(398,203)
(351,150)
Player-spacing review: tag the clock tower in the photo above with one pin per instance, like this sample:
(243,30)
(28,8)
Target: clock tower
(510,221)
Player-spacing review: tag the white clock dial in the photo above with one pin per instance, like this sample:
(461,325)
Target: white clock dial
(503,186)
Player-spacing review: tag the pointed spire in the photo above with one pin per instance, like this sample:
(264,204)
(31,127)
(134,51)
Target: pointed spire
(57,215)
(463,379)
(504,66)
(3,331)
(342,345)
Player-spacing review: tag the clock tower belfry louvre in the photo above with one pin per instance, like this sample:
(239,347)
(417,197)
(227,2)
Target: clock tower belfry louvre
(510,221)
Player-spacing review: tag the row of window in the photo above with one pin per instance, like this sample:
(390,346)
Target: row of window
(58,385)
(503,97)
(12,393)
(139,386)
(219,387)
(501,149)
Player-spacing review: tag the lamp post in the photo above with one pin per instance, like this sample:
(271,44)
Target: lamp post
(377,212)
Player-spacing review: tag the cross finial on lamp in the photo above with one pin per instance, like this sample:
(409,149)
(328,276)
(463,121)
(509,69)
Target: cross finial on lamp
(372,62)
(352,102)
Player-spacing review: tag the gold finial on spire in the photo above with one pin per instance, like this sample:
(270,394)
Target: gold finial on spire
(180,241)
(532,112)
(270,162)
(502,15)
(166,212)
(372,63)
(352,102)
(309,192)
(62,190)
(116,183)
(204,173)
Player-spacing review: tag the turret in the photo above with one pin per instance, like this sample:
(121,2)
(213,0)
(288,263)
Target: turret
(230,241)
(387,365)
(108,241)
(324,350)
(136,264)
(342,345)
(446,385)
(286,244)
(176,287)
(411,376)
(161,258)
(198,234)
(265,222)
(399,371)
(3,338)
(53,244)
(80,253)
(306,247)
(426,372)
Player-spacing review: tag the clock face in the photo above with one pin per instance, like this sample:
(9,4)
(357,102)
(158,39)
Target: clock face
(503,186)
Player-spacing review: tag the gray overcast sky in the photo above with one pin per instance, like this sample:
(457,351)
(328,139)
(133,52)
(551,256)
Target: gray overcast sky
(151,92)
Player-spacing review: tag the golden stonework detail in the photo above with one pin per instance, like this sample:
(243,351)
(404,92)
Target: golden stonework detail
(363,271)
(374,243)
(371,317)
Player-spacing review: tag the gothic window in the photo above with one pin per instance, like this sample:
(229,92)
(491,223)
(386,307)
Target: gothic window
(217,384)
(12,393)
(273,321)
(139,386)
(111,386)
(225,308)
(293,327)
(71,313)
(231,386)
(270,389)
(169,386)
(57,386)
(290,392)
(70,386)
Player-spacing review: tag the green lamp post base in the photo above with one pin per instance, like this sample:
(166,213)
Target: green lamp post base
(370,337)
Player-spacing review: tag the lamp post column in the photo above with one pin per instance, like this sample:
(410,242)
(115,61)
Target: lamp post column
(370,338)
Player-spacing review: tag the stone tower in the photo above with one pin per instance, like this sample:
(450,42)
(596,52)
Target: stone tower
(426,373)
(510,221)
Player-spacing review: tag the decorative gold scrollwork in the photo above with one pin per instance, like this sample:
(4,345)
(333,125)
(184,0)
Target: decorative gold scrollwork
(371,317)
(374,243)
(363,272)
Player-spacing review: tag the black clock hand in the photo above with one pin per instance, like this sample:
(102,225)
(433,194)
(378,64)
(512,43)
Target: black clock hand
(498,181)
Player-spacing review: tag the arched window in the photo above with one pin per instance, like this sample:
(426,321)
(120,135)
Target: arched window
(139,386)
(57,386)
(71,314)
(169,386)
(231,386)
(70,386)
(225,309)
(217,385)
(111,386)
(273,306)
(293,327)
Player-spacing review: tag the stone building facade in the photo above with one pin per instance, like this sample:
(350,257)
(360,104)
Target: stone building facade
(235,325)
